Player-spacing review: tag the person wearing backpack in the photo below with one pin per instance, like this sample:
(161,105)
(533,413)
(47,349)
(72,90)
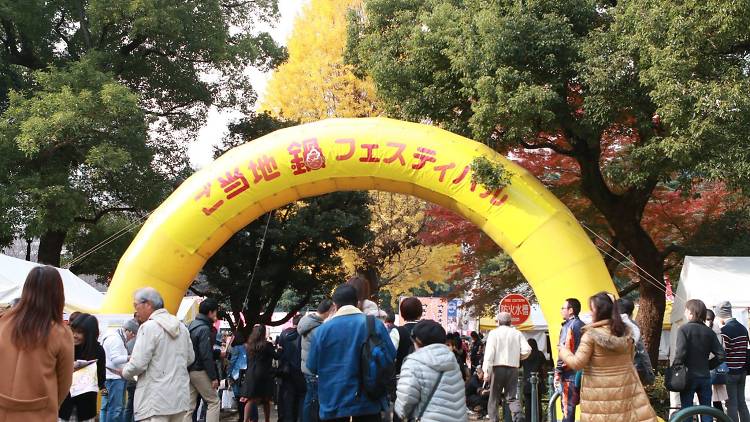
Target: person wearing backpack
(641,360)
(292,390)
(410,311)
(431,386)
(204,378)
(351,355)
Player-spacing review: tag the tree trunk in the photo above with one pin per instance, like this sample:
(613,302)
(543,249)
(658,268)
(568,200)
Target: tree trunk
(623,213)
(50,247)
(651,288)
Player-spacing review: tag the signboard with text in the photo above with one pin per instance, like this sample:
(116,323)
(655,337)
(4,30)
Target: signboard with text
(518,307)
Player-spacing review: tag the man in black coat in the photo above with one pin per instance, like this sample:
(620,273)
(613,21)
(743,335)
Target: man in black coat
(292,391)
(204,378)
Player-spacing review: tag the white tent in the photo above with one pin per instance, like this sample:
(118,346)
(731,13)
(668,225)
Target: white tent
(712,279)
(79,295)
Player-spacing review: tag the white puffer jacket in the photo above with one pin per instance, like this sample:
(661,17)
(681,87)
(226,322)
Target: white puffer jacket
(418,376)
(162,353)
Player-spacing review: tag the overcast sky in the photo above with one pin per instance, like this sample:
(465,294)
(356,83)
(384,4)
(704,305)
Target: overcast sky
(200,152)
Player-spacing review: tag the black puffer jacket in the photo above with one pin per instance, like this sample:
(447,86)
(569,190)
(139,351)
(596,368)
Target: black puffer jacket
(202,335)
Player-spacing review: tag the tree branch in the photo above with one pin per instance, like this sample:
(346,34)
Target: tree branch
(629,288)
(25,56)
(198,292)
(277,292)
(236,4)
(673,248)
(98,216)
(84,28)
(132,45)
(295,309)
(548,145)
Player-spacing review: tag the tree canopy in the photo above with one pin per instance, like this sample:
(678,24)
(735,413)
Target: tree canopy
(315,83)
(301,256)
(640,97)
(98,99)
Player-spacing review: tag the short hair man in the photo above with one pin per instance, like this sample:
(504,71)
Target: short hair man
(335,357)
(570,337)
(204,378)
(505,349)
(115,349)
(160,360)
(306,327)
(735,339)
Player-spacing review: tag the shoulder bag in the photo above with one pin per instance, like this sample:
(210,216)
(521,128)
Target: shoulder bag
(675,377)
(429,397)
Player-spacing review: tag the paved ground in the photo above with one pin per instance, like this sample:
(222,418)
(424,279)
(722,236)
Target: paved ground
(231,416)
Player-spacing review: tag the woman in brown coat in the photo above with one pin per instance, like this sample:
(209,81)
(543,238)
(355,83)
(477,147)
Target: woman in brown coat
(611,390)
(36,351)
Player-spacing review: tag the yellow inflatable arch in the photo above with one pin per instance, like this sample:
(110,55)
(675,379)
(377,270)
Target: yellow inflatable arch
(526,220)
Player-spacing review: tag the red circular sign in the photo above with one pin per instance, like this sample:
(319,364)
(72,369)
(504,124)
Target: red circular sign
(518,307)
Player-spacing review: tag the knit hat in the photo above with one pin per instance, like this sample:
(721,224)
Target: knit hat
(428,332)
(131,325)
(724,310)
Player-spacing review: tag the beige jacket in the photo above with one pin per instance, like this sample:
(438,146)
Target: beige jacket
(161,355)
(505,346)
(611,390)
(34,382)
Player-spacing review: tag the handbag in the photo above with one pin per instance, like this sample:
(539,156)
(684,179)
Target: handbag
(429,398)
(227,400)
(719,374)
(675,377)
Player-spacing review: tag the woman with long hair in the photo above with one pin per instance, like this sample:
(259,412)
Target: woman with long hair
(610,387)
(257,387)
(36,351)
(718,391)
(87,348)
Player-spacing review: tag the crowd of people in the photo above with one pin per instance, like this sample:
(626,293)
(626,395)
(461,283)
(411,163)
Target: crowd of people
(346,361)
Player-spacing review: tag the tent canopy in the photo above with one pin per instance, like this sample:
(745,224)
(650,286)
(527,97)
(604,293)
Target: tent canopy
(713,279)
(79,295)
(536,321)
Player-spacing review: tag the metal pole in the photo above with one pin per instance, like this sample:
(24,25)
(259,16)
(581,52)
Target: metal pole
(534,379)
(552,412)
(551,384)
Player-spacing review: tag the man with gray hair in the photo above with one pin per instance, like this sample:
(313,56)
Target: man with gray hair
(161,355)
(505,349)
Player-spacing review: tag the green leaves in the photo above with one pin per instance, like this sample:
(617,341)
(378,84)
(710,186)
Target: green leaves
(505,72)
(73,110)
(99,98)
(491,175)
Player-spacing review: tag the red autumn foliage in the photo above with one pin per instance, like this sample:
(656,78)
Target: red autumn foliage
(670,217)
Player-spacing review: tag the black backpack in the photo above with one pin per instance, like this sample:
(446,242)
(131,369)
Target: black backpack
(290,360)
(643,364)
(375,368)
